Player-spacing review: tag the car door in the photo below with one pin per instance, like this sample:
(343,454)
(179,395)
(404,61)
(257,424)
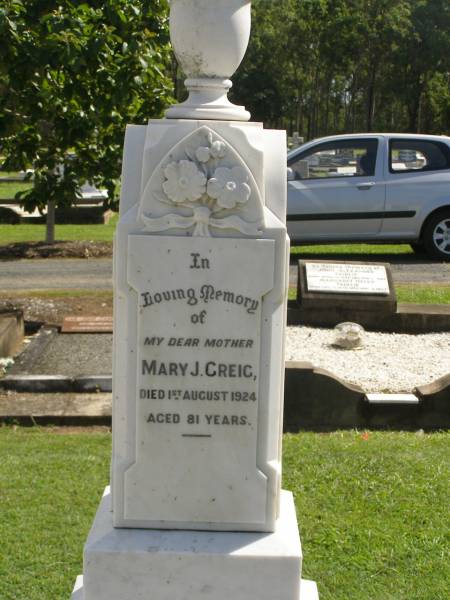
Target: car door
(336,190)
(417,182)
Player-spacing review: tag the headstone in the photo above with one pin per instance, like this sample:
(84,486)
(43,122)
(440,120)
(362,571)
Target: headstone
(201,273)
(347,278)
(345,286)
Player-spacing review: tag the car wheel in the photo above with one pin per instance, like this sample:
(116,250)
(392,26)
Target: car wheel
(436,236)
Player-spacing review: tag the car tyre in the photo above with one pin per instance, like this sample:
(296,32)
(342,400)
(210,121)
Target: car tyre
(436,236)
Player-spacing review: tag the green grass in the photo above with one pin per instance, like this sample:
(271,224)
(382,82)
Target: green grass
(49,488)
(372,510)
(373,513)
(423,294)
(8,173)
(9,190)
(414,293)
(11,234)
(352,249)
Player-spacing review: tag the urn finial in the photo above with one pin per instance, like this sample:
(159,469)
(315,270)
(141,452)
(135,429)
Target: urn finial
(209,38)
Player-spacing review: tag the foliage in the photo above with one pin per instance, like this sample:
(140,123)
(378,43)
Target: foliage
(332,66)
(371,508)
(73,74)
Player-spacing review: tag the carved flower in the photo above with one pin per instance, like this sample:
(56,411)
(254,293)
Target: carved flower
(203,154)
(216,150)
(229,187)
(183,181)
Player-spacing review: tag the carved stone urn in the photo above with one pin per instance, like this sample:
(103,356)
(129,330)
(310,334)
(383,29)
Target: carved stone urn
(209,38)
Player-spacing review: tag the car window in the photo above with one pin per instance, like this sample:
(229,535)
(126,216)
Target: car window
(342,158)
(418,155)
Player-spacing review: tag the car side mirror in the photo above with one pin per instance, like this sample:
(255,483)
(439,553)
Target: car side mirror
(290,174)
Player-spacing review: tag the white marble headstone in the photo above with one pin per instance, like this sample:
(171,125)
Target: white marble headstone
(201,261)
(199,325)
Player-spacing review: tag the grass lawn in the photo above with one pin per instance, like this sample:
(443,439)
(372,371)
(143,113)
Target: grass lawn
(9,190)
(28,232)
(416,294)
(10,234)
(423,294)
(372,509)
(373,513)
(352,249)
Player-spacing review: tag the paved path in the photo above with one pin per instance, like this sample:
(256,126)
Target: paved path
(37,274)
(68,273)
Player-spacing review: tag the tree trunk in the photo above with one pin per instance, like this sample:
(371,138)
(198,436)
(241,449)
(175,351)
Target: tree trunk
(415,105)
(371,98)
(50,223)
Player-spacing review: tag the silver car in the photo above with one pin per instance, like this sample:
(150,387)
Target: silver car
(372,187)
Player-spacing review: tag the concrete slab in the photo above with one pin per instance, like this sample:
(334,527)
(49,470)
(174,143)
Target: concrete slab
(409,318)
(55,405)
(11,332)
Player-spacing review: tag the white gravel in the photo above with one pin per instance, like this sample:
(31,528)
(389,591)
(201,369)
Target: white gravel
(387,362)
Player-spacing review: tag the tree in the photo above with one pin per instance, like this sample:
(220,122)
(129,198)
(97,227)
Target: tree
(72,76)
(334,66)
(423,64)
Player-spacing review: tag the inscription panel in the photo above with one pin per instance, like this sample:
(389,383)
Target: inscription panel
(198,395)
(346,278)
(86,324)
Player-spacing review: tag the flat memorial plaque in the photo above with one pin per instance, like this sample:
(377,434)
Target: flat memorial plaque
(87,324)
(346,278)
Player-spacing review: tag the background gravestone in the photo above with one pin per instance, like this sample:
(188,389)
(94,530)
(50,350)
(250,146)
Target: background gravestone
(346,285)
(201,275)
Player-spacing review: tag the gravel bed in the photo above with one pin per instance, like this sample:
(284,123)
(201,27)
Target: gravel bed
(387,362)
(75,355)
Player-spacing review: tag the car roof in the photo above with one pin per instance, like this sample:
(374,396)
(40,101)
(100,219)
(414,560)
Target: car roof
(331,138)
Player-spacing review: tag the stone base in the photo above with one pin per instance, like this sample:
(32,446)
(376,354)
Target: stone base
(128,564)
(308,590)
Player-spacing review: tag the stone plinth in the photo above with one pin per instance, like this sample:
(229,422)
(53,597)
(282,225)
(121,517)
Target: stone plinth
(191,564)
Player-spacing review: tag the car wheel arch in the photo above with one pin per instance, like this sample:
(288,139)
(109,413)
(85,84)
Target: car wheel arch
(435,234)
(431,215)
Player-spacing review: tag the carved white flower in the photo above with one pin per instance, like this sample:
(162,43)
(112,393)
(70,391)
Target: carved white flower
(203,154)
(216,150)
(229,187)
(183,181)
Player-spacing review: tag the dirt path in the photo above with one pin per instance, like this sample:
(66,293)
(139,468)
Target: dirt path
(96,273)
(57,273)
